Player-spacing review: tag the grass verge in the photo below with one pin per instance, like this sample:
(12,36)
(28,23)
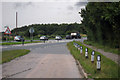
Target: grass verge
(83,35)
(109,69)
(14,43)
(12,54)
(105,48)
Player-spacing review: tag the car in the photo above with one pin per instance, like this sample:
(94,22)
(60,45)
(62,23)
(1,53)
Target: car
(58,38)
(43,38)
(68,37)
(18,38)
(75,35)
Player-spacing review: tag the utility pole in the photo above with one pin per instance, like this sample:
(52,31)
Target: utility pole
(16,22)
(16,19)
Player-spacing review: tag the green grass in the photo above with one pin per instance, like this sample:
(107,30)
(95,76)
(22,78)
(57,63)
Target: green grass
(109,69)
(12,54)
(83,35)
(105,48)
(14,43)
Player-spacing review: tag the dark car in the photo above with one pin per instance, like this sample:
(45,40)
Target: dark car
(75,35)
(68,37)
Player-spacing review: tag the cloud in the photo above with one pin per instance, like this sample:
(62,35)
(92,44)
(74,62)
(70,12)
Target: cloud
(81,4)
(69,13)
(70,8)
(22,4)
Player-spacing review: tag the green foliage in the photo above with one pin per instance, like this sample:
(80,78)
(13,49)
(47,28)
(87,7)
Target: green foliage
(50,29)
(109,69)
(101,21)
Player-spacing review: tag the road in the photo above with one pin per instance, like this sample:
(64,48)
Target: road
(46,60)
(29,40)
(36,45)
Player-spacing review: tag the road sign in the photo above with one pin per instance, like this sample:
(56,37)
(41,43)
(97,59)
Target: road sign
(5,26)
(31,30)
(7,31)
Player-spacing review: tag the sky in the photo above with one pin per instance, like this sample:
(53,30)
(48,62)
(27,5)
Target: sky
(40,12)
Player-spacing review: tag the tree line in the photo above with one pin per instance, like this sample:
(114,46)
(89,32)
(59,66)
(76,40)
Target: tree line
(102,22)
(49,29)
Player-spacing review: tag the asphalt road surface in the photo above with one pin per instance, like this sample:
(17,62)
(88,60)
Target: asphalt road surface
(36,45)
(46,60)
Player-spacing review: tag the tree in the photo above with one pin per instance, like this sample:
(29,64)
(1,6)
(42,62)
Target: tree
(101,21)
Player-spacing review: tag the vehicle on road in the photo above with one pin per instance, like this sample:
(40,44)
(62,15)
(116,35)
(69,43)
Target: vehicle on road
(18,38)
(75,35)
(43,38)
(68,37)
(58,38)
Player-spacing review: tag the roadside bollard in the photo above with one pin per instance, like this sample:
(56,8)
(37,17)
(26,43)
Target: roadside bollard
(86,52)
(75,45)
(81,49)
(92,56)
(98,62)
(78,47)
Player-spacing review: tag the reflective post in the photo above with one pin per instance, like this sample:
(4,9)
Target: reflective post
(92,56)
(86,52)
(78,47)
(81,49)
(98,62)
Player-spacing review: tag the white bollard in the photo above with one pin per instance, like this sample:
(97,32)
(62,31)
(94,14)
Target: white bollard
(86,52)
(98,62)
(81,49)
(78,47)
(92,56)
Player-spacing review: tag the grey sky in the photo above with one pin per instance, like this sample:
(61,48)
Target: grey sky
(40,12)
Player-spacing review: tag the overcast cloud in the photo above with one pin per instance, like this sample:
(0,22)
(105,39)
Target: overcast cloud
(81,4)
(21,4)
(40,12)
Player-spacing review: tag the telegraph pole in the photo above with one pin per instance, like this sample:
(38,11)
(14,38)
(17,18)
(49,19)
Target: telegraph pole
(16,19)
(16,22)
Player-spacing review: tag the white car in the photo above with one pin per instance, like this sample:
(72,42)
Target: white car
(17,38)
(58,38)
(43,38)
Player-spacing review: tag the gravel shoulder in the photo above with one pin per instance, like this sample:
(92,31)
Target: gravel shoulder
(114,57)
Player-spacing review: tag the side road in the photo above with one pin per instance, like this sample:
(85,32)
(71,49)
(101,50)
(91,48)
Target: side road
(112,56)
